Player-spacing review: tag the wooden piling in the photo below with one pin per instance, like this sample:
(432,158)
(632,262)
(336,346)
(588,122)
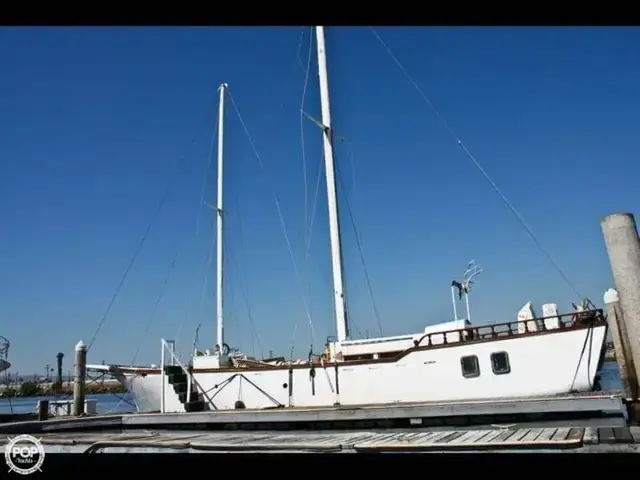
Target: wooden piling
(43,410)
(620,337)
(79,378)
(623,247)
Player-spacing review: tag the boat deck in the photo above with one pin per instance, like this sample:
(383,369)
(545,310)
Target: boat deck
(548,440)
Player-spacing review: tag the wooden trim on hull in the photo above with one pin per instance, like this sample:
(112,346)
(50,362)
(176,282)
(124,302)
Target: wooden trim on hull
(467,336)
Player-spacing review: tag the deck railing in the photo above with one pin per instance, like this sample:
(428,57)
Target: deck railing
(523,327)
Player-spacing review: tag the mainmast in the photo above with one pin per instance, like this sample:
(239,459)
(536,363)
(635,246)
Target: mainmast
(219,237)
(332,201)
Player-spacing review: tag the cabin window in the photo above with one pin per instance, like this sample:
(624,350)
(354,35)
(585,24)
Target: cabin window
(500,363)
(470,366)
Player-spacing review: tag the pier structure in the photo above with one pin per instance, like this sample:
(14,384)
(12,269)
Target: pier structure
(623,248)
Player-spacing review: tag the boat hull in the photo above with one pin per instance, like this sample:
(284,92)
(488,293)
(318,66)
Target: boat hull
(539,365)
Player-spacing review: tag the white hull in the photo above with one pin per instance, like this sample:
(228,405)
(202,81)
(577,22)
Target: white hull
(541,365)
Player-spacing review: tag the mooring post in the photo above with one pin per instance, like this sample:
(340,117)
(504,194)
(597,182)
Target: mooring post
(623,246)
(79,378)
(621,343)
(43,410)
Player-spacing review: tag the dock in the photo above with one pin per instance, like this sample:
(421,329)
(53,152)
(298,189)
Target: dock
(488,440)
(600,410)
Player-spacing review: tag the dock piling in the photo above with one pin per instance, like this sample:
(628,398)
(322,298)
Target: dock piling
(79,378)
(620,337)
(43,410)
(623,247)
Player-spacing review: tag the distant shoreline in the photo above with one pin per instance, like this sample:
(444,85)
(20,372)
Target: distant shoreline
(35,389)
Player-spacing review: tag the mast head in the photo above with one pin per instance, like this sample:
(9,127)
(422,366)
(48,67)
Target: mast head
(223,85)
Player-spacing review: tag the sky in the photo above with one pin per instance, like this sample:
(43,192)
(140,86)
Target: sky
(99,124)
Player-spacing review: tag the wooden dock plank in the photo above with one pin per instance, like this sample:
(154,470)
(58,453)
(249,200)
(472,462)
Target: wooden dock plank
(576,434)
(590,436)
(92,437)
(561,434)
(533,434)
(433,438)
(548,438)
(605,435)
(546,434)
(493,434)
(518,435)
(503,436)
(452,436)
(468,435)
(476,438)
(524,438)
(622,435)
(347,439)
(424,435)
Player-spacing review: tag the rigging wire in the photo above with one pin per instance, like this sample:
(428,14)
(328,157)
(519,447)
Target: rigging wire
(159,298)
(302,143)
(376,311)
(477,164)
(137,252)
(201,204)
(205,284)
(306,240)
(314,205)
(163,200)
(279,210)
(244,292)
(206,177)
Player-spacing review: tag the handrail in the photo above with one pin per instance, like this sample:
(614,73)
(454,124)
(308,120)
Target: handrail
(511,328)
(190,377)
(174,360)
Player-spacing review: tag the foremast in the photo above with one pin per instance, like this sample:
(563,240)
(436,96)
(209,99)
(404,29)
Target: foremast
(219,225)
(342,325)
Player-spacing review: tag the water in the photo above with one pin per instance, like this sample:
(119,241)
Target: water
(111,403)
(106,403)
(610,376)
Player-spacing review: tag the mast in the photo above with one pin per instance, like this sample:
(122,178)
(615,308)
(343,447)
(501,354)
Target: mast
(219,237)
(342,325)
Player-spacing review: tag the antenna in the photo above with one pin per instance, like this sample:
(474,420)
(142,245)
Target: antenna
(468,281)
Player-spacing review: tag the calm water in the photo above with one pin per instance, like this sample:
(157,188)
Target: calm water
(107,402)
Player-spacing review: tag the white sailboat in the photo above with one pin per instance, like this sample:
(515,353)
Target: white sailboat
(451,361)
